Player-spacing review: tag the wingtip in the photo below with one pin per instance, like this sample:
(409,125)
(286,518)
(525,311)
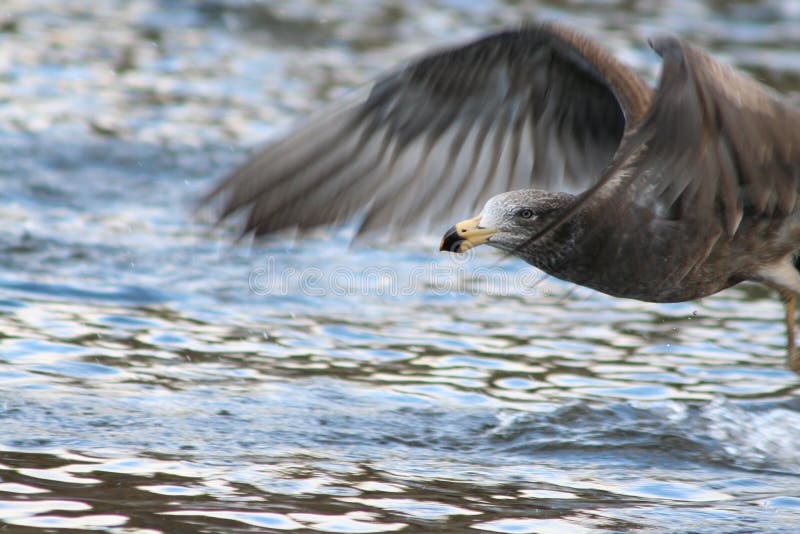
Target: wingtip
(665,44)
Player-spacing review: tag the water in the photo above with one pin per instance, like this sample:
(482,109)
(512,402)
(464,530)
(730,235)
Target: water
(157,377)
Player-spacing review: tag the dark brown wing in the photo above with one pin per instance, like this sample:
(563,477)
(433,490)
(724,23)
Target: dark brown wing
(715,147)
(536,107)
(710,175)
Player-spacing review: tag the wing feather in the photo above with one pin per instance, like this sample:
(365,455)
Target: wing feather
(716,159)
(718,146)
(540,106)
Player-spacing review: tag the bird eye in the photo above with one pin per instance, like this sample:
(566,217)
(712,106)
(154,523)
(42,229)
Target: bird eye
(525,213)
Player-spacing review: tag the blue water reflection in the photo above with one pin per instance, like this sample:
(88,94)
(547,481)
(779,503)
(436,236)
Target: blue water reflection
(155,376)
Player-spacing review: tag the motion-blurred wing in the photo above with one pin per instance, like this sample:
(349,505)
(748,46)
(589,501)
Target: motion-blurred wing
(716,154)
(536,107)
(715,147)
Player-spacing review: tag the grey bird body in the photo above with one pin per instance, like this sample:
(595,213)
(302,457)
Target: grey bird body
(676,193)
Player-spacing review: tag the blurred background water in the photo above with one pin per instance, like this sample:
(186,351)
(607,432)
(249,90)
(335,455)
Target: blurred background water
(155,376)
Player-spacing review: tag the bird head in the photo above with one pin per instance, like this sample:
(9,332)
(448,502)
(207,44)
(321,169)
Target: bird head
(507,221)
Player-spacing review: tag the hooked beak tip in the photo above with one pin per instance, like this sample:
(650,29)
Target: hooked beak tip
(464,235)
(452,242)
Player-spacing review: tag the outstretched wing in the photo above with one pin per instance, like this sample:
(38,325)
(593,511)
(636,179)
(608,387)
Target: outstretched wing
(537,107)
(715,147)
(716,154)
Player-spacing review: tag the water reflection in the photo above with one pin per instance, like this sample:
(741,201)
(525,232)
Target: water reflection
(145,386)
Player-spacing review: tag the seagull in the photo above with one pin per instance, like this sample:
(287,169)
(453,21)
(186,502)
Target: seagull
(663,194)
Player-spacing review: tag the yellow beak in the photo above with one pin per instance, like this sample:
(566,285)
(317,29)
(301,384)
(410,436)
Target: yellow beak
(465,235)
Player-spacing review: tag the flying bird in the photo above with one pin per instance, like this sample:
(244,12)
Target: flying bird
(661,195)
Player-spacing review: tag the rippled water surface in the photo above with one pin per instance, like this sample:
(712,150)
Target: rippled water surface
(155,376)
